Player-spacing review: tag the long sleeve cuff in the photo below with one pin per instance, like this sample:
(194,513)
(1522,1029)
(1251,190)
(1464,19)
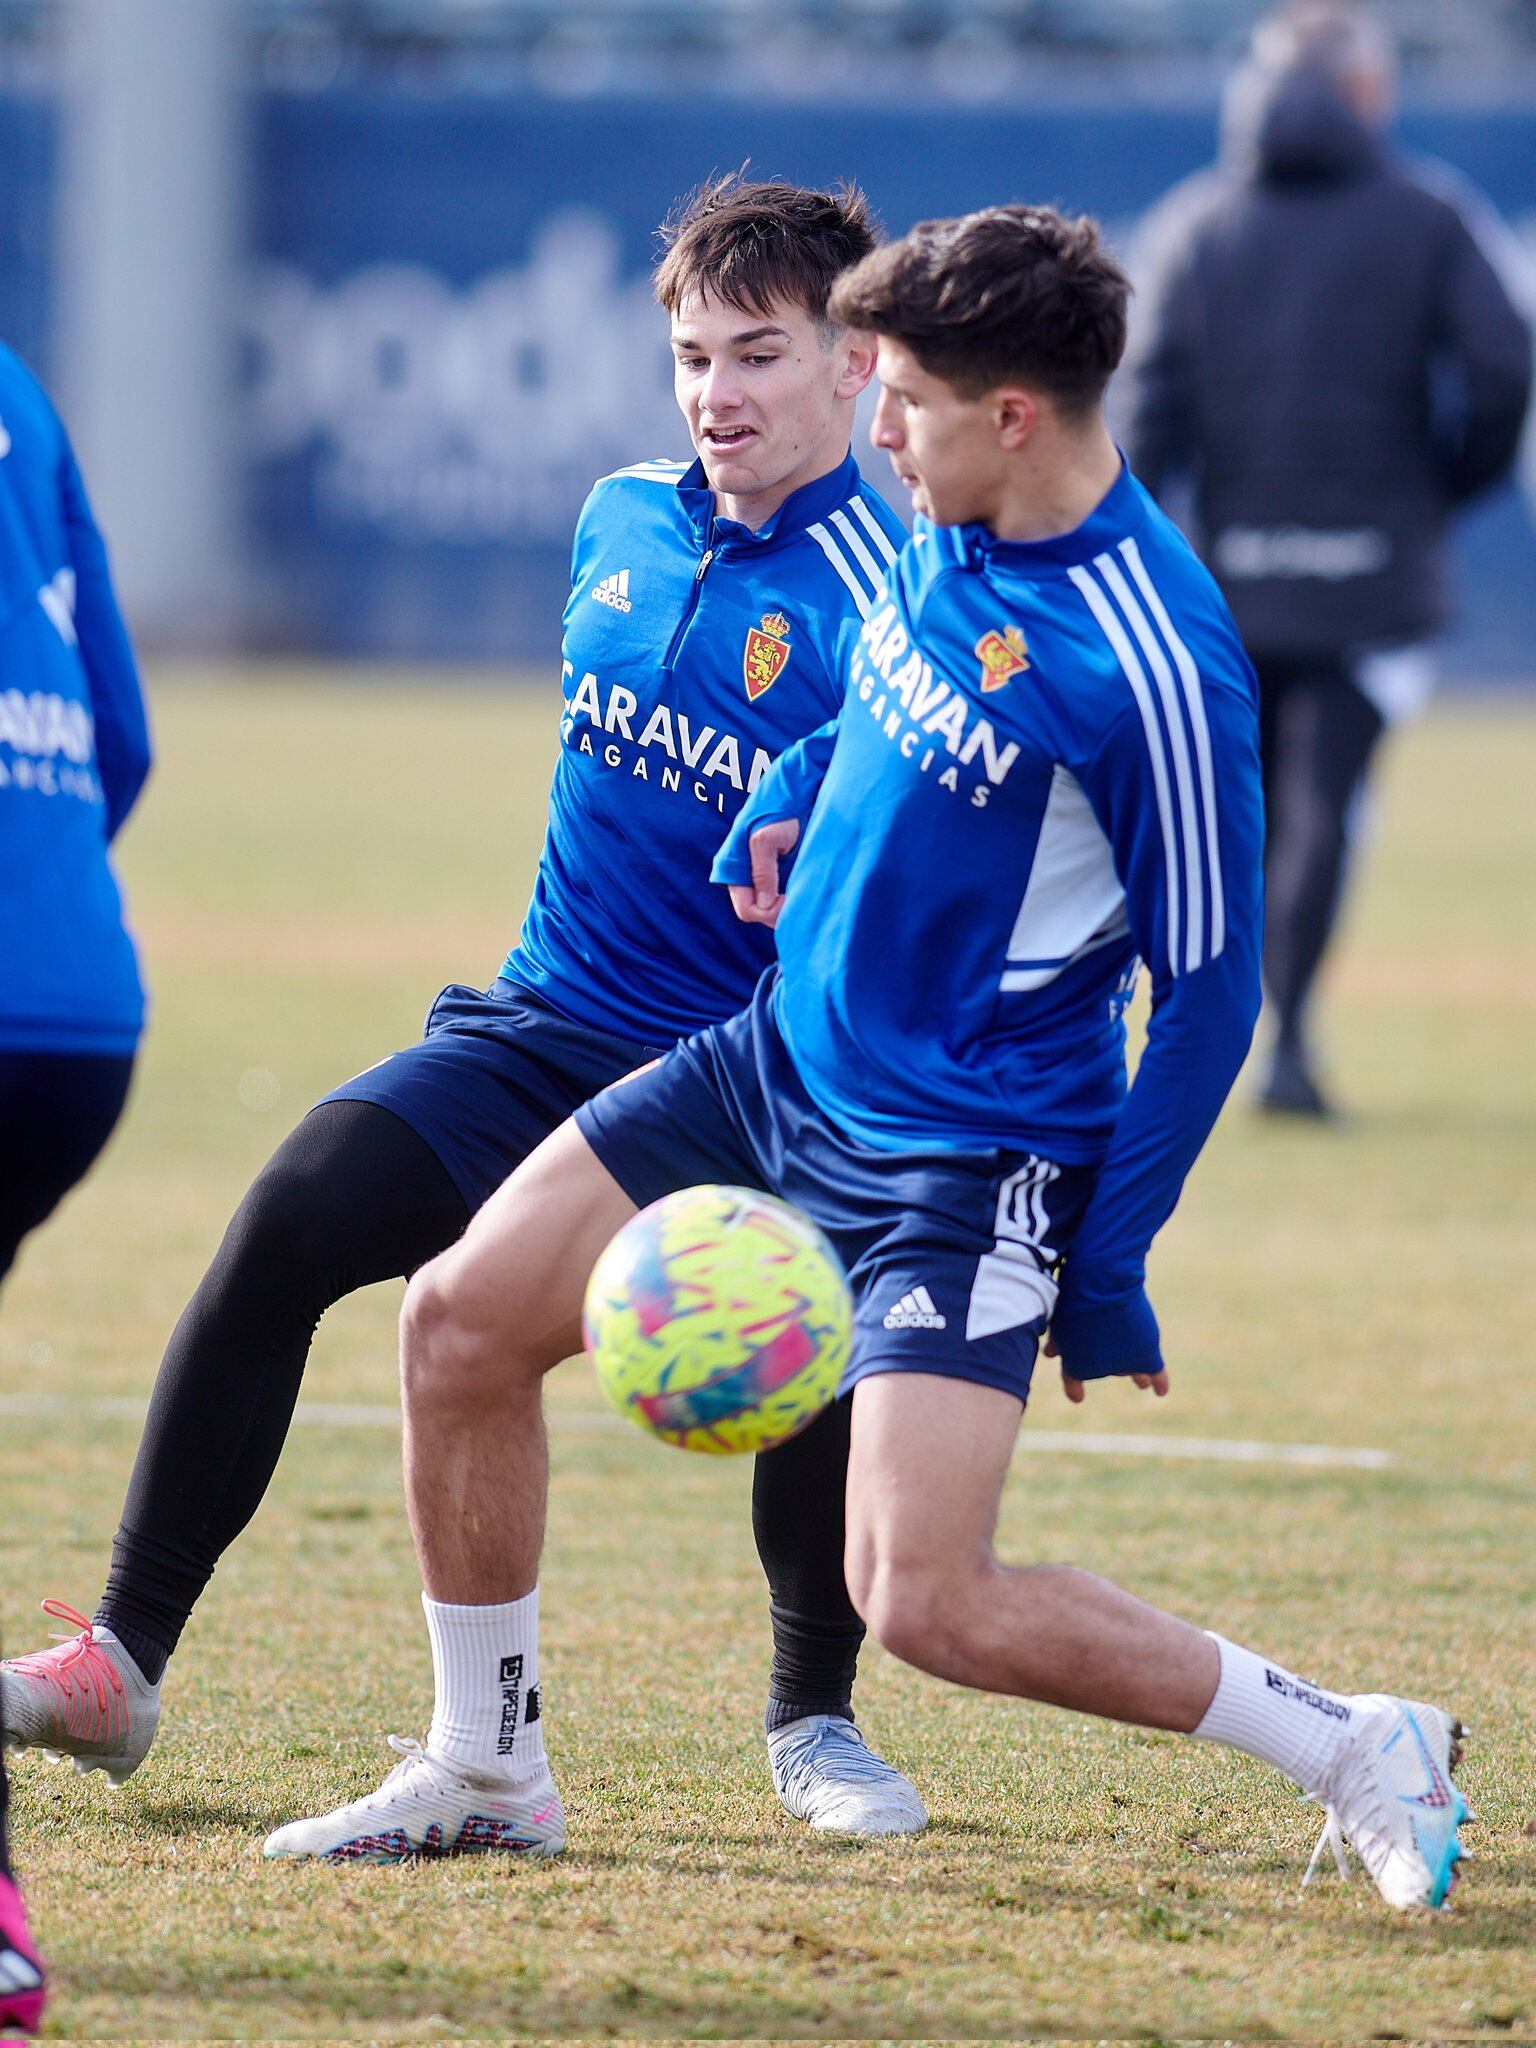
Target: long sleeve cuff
(1098,1339)
(733,863)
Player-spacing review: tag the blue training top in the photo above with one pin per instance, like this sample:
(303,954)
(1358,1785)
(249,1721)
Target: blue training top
(74,748)
(1046,766)
(696,650)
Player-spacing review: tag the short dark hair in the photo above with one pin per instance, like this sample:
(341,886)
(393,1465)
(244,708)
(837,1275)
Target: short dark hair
(1013,292)
(764,244)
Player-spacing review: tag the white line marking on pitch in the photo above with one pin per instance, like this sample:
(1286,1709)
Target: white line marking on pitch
(1231,1450)
(359,1415)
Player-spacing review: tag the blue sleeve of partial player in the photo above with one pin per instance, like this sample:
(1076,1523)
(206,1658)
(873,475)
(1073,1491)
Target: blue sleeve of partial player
(788,790)
(1181,805)
(117,697)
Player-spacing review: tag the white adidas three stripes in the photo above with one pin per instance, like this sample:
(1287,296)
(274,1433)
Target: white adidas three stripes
(860,558)
(1162,674)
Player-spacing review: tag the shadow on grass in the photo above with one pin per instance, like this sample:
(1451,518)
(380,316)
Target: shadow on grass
(191,1815)
(620,2006)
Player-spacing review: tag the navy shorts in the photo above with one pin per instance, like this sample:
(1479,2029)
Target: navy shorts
(494,1073)
(950,1255)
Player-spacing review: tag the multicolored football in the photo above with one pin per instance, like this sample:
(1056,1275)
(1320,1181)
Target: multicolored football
(719,1320)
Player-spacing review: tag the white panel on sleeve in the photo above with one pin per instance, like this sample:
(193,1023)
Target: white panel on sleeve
(1073,900)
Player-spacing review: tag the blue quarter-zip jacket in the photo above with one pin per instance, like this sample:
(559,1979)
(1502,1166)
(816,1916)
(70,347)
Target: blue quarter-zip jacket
(1045,772)
(74,748)
(695,651)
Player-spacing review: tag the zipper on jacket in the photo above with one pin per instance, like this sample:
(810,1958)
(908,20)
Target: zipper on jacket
(692,605)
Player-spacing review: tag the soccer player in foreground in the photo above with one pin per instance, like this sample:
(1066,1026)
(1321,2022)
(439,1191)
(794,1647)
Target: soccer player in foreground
(1045,766)
(710,613)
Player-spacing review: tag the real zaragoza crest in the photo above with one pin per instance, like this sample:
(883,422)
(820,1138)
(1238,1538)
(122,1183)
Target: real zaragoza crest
(1002,656)
(766,652)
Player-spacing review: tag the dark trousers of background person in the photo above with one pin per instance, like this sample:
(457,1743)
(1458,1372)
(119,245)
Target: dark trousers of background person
(1318,731)
(57,1110)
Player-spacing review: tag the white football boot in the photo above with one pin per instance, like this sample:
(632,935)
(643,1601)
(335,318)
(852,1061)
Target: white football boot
(1392,1797)
(85,1699)
(430,1807)
(825,1772)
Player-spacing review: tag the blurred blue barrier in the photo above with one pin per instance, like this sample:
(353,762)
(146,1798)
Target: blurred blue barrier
(28,134)
(447,330)
(450,332)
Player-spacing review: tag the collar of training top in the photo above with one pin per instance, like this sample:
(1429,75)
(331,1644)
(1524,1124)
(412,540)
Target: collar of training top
(1119,512)
(800,510)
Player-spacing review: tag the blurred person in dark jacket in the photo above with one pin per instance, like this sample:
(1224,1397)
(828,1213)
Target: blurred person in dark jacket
(1330,359)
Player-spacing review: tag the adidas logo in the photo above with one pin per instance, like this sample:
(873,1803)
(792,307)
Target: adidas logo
(915,1311)
(614,590)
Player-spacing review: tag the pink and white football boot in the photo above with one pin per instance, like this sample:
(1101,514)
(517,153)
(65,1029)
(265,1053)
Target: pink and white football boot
(85,1699)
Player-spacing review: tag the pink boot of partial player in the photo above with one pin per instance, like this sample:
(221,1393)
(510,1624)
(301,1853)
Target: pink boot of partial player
(22,1990)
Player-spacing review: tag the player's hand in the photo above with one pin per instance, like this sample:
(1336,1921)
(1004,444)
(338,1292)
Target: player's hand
(1077,1390)
(764,899)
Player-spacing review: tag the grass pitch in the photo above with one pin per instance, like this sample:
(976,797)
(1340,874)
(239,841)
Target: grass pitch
(312,861)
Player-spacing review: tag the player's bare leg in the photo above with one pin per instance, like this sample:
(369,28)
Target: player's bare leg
(481,1327)
(929,1459)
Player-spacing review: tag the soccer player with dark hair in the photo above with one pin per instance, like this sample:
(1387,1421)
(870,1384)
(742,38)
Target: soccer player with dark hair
(1329,353)
(712,607)
(74,755)
(1045,771)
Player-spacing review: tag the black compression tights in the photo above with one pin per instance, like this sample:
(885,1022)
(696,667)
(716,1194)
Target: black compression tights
(355,1196)
(352,1196)
(797,1518)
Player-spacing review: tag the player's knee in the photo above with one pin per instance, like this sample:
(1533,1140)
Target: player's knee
(916,1611)
(291,1232)
(859,1571)
(272,1219)
(447,1358)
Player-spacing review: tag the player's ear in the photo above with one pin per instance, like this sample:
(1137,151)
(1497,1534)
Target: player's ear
(1015,413)
(857,350)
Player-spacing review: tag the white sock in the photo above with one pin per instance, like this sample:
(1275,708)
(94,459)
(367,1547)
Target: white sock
(1268,1711)
(485,1668)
